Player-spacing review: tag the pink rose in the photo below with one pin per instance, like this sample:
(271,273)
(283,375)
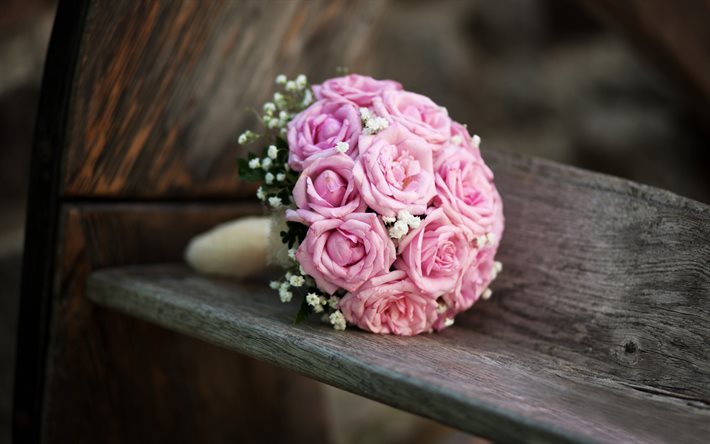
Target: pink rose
(465,190)
(418,114)
(325,189)
(479,272)
(394,172)
(360,90)
(435,254)
(345,253)
(317,130)
(461,137)
(390,304)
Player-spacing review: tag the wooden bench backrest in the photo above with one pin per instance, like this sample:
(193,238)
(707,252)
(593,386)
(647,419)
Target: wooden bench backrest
(135,153)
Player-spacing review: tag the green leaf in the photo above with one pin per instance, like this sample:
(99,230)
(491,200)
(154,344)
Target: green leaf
(303,313)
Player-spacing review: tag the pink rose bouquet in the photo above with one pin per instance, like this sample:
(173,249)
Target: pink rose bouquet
(392,219)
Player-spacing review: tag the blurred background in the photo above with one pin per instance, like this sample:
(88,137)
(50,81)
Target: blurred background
(545,78)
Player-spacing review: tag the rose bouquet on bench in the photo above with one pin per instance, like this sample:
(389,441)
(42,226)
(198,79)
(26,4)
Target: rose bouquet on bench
(388,216)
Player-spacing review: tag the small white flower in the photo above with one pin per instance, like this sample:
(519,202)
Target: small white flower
(266,163)
(272,151)
(254,163)
(297,281)
(301,81)
(389,219)
(481,241)
(332,302)
(275,201)
(285,295)
(342,147)
(269,108)
(312,299)
(307,98)
(260,193)
(269,178)
(288,275)
(242,138)
(280,79)
(399,229)
(273,123)
(365,115)
(279,99)
(290,86)
(441,308)
(476,140)
(274,285)
(292,253)
(487,293)
(283,133)
(448,322)
(280,177)
(498,266)
(491,238)
(283,115)
(375,124)
(414,222)
(337,320)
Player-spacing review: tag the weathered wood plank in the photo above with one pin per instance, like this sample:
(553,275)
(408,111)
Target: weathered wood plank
(597,329)
(160,116)
(115,379)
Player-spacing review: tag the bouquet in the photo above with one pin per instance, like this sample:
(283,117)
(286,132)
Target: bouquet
(388,217)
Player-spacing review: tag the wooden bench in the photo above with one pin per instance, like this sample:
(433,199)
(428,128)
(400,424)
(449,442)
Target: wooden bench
(597,331)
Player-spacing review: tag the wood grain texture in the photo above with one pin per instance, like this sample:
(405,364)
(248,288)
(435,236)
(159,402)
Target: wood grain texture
(115,379)
(673,34)
(163,86)
(597,331)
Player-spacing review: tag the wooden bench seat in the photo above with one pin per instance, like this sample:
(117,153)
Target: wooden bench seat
(597,330)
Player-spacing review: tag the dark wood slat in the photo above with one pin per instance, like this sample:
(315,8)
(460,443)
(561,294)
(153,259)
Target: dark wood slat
(160,116)
(115,379)
(463,377)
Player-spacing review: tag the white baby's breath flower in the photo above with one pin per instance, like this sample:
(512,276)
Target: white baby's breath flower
(288,275)
(301,81)
(307,98)
(275,201)
(441,308)
(342,147)
(266,163)
(337,320)
(280,79)
(481,241)
(242,138)
(274,285)
(285,295)
(333,302)
(283,115)
(260,193)
(279,100)
(312,299)
(290,86)
(375,124)
(272,151)
(498,266)
(269,178)
(292,253)
(280,177)
(476,140)
(283,133)
(414,222)
(365,115)
(448,322)
(297,281)
(487,293)
(273,123)
(389,219)
(491,238)
(399,229)
(254,163)
(269,108)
